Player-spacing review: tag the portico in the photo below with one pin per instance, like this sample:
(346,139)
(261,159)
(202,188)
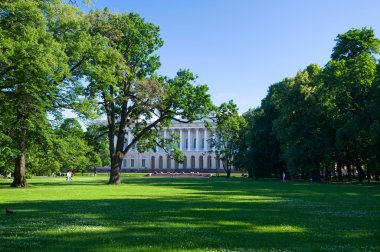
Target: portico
(193,142)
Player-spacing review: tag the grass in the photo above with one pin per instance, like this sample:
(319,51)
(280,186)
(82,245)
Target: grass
(178,214)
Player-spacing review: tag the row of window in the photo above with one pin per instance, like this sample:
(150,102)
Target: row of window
(186,144)
(168,163)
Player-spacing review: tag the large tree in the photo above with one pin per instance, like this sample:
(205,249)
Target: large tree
(349,77)
(226,136)
(122,79)
(42,45)
(301,126)
(263,147)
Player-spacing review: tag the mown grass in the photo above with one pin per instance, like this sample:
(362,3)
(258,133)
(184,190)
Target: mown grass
(177,214)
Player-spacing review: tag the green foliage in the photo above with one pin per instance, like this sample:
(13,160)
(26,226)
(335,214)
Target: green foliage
(226,135)
(71,148)
(263,148)
(355,42)
(302,127)
(322,117)
(122,76)
(43,46)
(96,137)
(49,51)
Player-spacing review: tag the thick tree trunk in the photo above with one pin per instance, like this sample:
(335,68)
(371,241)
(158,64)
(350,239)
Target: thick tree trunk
(19,179)
(115,173)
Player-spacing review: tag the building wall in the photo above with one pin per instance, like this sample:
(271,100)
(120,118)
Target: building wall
(193,142)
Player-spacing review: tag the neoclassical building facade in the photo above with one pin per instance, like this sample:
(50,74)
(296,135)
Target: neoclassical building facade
(193,142)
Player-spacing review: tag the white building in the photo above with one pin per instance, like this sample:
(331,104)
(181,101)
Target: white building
(193,142)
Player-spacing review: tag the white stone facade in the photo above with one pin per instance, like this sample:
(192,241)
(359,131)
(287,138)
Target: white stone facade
(193,142)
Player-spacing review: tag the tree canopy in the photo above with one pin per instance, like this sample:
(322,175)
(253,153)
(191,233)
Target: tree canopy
(323,119)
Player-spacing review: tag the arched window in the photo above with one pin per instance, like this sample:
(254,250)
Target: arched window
(142,161)
(209,160)
(168,162)
(217,163)
(192,162)
(201,162)
(153,163)
(160,163)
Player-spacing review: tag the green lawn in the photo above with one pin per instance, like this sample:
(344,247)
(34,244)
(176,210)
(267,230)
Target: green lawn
(178,214)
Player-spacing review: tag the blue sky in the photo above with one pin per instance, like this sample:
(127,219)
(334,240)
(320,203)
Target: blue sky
(240,47)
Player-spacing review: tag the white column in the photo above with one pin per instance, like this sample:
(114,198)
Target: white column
(214,138)
(197,139)
(205,140)
(181,139)
(172,164)
(188,139)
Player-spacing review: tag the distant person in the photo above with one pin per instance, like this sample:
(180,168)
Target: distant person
(68,175)
(283,177)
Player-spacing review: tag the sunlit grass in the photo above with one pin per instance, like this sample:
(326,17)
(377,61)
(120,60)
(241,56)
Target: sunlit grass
(188,214)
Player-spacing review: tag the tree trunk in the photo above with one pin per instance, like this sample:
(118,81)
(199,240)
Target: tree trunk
(339,170)
(327,173)
(348,165)
(333,172)
(368,174)
(115,172)
(361,174)
(250,172)
(377,175)
(227,168)
(19,179)
(228,171)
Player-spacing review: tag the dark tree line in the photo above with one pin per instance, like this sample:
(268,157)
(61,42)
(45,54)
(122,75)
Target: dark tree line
(324,123)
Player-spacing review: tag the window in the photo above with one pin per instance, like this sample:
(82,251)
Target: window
(203,143)
(132,163)
(187,143)
(195,143)
(124,164)
(143,163)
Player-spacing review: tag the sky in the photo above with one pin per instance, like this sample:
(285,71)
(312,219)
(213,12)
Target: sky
(240,47)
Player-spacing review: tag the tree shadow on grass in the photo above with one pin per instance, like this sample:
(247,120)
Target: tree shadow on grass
(172,223)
